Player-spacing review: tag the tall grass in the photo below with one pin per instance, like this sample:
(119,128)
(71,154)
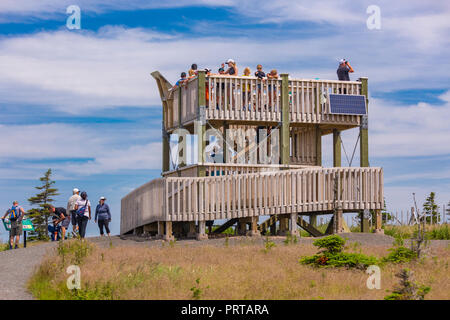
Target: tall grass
(433,232)
(237,272)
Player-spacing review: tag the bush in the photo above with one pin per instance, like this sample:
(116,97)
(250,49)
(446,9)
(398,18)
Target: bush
(441,232)
(400,254)
(332,255)
(407,288)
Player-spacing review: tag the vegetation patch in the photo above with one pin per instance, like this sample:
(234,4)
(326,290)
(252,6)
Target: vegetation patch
(332,254)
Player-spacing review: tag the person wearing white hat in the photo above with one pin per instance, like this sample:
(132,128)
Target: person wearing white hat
(232,69)
(71,209)
(103,216)
(343,70)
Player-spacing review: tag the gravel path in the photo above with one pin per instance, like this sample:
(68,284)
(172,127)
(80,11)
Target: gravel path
(16,267)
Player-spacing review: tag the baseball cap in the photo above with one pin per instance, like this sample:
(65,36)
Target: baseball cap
(75,190)
(102,198)
(342,61)
(230,60)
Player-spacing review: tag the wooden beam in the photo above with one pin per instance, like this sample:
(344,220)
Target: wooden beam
(225,226)
(200,124)
(268,223)
(309,228)
(284,136)
(337,148)
(364,134)
(318,145)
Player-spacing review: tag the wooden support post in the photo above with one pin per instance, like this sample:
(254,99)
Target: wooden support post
(313,220)
(364,136)
(273,229)
(160,229)
(378,222)
(201,235)
(336,148)
(364,222)
(224,141)
(168,234)
(254,232)
(318,135)
(293,225)
(192,230)
(284,225)
(200,124)
(337,223)
(242,227)
(284,136)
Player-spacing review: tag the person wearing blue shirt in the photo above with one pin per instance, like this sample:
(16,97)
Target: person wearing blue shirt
(103,216)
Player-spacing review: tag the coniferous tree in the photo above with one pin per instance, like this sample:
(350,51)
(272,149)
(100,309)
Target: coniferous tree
(40,216)
(430,209)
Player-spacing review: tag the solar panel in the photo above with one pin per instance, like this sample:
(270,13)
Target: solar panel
(347,104)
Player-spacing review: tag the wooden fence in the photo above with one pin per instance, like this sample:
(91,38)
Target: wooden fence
(252,194)
(251,99)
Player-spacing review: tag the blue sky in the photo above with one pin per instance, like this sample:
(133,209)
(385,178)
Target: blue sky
(82,102)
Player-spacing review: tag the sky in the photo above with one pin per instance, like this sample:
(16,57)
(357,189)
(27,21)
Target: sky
(82,101)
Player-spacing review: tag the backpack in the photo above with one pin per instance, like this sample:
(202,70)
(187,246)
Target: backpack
(80,212)
(14,213)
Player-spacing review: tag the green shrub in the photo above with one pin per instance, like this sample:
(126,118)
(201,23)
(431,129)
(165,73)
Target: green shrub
(331,244)
(400,254)
(332,255)
(407,288)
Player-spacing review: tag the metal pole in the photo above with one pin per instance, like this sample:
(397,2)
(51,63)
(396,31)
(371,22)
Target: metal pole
(24,239)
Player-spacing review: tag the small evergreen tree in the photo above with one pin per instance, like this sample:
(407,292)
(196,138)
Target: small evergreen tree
(40,216)
(430,209)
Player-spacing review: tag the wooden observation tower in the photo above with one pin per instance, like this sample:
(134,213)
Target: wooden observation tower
(250,154)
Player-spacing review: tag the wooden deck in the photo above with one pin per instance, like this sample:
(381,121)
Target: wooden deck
(248,100)
(300,191)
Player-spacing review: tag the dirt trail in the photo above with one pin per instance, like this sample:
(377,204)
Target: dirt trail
(16,267)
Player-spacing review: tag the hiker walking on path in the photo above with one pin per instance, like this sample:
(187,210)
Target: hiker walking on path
(83,212)
(63,217)
(71,210)
(103,216)
(15,215)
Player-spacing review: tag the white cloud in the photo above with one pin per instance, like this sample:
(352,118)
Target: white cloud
(27,149)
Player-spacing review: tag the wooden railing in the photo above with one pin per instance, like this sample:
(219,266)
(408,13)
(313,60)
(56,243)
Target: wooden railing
(253,194)
(143,205)
(252,99)
(257,194)
(222,169)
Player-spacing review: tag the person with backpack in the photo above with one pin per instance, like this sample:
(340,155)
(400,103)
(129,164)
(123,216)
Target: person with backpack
(83,212)
(15,215)
(103,216)
(71,209)
(63,217)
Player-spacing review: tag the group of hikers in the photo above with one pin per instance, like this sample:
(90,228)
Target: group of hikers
(343,71)
(78,213)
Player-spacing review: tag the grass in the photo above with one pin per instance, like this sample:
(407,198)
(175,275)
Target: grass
(237,272)
(433,232)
